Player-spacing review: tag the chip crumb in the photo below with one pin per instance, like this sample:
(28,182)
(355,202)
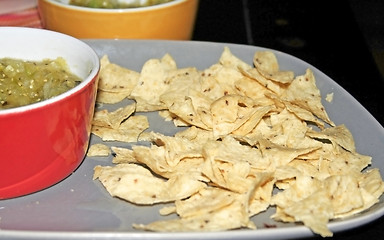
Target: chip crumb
(329,97)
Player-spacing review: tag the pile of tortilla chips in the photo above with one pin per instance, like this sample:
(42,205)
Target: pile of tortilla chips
(256,137)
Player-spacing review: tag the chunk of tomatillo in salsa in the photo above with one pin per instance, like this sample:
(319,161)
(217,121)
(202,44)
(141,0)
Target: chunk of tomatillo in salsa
(26,82)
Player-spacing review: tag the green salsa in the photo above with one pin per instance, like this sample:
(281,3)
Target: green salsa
(115,4)
(26,82)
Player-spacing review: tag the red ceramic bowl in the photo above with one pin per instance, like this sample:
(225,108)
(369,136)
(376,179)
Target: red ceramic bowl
(43,143)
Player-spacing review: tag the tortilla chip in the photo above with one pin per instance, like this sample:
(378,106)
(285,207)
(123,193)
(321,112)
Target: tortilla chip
(98,150)
(303,92)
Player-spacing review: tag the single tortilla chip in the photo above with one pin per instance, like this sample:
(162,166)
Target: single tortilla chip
(123,155)
(273,86)
(227,59)
(303,92)
(249,87)
(231,215)
(267,65)
(110,97)
(304,114)
(128,131)
(344,193)
(152,83)
(230,112)
(98,150)
(116,79)
(337,135)
(137,184)
(103,118)
(314,211)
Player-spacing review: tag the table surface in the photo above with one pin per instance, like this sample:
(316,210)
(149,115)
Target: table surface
(329,38)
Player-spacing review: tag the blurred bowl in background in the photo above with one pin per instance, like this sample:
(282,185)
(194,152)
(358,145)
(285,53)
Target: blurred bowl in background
(174,20)
(42,143)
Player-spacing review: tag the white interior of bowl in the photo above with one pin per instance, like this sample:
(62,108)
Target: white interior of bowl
(38,44)
(65,3)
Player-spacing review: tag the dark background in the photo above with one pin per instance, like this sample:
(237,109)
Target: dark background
(337,37)
(342,38)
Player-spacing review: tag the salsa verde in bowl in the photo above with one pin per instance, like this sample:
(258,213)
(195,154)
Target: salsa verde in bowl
(23,82)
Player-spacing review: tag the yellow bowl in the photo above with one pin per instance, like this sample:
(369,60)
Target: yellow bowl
(173,20)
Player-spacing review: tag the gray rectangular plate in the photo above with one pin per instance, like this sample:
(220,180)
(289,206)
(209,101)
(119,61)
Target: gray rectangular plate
(80,208)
